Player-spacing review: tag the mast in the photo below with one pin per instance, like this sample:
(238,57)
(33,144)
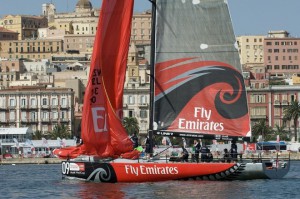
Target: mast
(152,78)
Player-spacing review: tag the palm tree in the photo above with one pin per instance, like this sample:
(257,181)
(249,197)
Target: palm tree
(261,128)
(131,125)
(37,135)
(280,130)
(60,131)
(292,112)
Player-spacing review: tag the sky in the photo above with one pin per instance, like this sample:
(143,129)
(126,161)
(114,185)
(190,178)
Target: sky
(249,17)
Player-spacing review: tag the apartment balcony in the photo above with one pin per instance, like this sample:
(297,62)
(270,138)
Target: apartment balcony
(277,103)
(11,107)
(144,105)
(64,107)
(3,121)
(54,120)
(3,108)
(64,120)
(54,106)
(11,121)
(24,107)
(285,103)
(23,120)
(31,120)
(32,107)
(258,117)
(45,107)
(45,120)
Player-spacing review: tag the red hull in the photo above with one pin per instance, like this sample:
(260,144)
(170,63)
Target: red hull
(152,172)
(143,171)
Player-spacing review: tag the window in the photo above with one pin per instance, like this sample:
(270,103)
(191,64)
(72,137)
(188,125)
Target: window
(130,114)
(44,102)
(277,111)
(12,115)
(143,113)
(45,115)
(63,114)
(33,102)
(54,101)
(55,115)
(23,102)
(63,101)
(143,99)
(33,116)
(130,99)
(23,116)
(257,98)
(12,102)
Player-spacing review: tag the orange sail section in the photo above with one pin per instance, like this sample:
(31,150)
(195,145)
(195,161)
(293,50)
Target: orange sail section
(102,131)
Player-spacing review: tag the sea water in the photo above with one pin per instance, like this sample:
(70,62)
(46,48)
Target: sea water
(45,181)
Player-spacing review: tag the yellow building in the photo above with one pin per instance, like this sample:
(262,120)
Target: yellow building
(31,49)
(26,26)
(251,49)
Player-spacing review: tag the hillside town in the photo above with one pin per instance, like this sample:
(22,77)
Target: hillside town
(45,63)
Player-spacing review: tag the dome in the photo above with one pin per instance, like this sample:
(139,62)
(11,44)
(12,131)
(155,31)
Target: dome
(84,4)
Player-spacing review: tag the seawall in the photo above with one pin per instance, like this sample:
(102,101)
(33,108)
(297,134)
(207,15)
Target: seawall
(31,161)
(264,155)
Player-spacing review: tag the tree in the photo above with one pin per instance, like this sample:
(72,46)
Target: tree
(37,135)
(292,112)
(131,125)
(60,131)
(279,130)
(261,128)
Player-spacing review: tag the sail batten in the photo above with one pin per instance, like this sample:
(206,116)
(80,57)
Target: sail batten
(199,88)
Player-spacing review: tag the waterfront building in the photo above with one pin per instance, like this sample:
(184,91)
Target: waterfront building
(268,104)
(39,108)
(11,139)
(18,143)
